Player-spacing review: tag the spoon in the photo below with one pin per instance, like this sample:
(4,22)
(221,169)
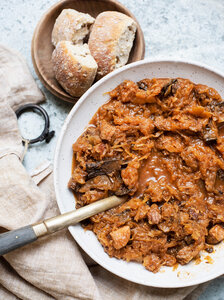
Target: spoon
(14,239)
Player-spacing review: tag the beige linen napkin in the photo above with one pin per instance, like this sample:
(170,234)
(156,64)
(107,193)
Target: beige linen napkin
(53,267)
(16,83)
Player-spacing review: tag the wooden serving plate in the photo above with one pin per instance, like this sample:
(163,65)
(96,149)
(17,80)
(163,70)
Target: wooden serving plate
(42,47)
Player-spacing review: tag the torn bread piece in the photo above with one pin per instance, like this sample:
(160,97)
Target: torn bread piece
(111,40)
(72,26)
(74,67)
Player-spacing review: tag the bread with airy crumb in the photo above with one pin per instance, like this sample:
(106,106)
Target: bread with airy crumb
(72,26)
(111,40)
(74,67)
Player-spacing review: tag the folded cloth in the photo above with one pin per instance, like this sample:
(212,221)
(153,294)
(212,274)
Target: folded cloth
(17,85)
(52,267)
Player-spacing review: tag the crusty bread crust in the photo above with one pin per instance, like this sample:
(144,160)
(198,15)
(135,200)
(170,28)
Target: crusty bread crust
(74,67)
(71,25)
(104,41)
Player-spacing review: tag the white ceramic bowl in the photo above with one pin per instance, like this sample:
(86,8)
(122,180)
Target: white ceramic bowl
(75,124)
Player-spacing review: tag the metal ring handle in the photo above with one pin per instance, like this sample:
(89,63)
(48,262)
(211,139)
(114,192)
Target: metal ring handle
(45,135)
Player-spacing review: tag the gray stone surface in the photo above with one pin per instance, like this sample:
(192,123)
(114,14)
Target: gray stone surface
(187,29)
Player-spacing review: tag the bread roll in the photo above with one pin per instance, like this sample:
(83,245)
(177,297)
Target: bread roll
(111,40)
(74,67)
(72,26)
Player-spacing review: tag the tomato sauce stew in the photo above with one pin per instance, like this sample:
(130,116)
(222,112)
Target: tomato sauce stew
(159,141)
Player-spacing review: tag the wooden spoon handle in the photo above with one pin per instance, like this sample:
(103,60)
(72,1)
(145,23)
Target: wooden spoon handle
(14,239)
